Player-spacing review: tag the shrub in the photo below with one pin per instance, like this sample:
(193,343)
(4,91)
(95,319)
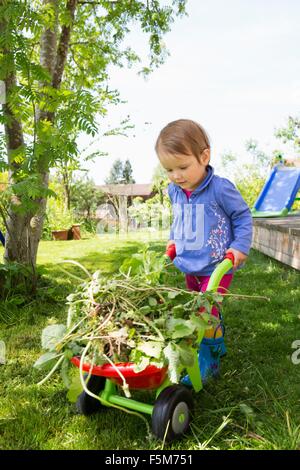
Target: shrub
(57,216)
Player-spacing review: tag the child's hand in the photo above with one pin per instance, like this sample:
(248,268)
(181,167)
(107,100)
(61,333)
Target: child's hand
(239,257)
(171,249)
(170,242)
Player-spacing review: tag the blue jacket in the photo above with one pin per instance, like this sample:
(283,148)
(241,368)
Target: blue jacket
(214,219)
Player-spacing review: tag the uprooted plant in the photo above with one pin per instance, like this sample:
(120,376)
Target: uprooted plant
(136,316)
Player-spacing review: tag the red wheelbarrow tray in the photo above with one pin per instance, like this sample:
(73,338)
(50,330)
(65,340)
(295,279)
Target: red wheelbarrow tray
(151,377)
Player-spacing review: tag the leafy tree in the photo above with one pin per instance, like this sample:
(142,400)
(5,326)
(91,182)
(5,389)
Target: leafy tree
(160,182)
(257,158)
(249,177)
(120,173)
(290,133)
(54,60)
(85,197)
(127,173)
(156,211)
(116,173)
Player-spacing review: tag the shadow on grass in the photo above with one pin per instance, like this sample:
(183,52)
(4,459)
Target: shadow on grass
(107,263)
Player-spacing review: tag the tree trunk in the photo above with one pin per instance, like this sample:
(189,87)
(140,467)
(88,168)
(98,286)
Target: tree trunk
(15,243)
(67,190)
(24,231)
(123,216)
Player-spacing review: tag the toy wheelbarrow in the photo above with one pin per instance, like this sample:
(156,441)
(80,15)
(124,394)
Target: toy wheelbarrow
(171,411)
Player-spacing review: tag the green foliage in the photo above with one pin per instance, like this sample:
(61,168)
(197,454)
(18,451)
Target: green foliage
(249,177)
(14,281)
(51,113)
(57,217)
(85,197)
(127,173)
(160,183)
(154,213)
(120,173)
(96,43)
(258,158)
(88,226)
(116,173)
(131,317)
(250,184)
(255,332)
(290,133)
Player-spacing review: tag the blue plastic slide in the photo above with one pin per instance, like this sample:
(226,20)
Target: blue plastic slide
(279,192)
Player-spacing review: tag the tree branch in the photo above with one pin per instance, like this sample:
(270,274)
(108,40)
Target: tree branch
(63,46)
(113,2)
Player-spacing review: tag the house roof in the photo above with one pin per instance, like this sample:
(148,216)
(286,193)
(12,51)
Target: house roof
(126,189)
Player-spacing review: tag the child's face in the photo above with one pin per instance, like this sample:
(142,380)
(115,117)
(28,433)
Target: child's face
(186,170)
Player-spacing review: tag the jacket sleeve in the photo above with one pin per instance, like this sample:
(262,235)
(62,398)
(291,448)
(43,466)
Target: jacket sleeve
(233,204)
(171,236)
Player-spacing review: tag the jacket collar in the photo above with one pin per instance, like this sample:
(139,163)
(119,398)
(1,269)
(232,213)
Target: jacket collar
(202,185)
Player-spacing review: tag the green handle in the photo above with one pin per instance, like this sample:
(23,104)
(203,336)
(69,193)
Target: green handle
(219,272)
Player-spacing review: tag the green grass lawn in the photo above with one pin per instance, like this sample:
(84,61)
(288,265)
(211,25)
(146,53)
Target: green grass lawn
(254,405)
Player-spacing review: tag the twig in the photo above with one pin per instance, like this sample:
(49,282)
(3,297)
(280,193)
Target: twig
(125,386)
(242,296)
(52,370)
(77,264)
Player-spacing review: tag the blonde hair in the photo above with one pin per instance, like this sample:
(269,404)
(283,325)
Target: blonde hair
(184,137)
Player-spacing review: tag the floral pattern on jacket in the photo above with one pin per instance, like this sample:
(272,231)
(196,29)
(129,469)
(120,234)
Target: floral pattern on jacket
(219,235)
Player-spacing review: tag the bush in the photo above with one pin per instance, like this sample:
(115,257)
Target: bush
(150,213)
(15,280)
(57,217)
(250,183)
(88,226)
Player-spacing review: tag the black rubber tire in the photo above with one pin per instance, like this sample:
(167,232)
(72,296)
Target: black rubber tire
(87,405)
(174,406)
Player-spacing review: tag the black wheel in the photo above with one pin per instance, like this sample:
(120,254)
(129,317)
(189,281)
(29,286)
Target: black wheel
(172,412)
(87,405)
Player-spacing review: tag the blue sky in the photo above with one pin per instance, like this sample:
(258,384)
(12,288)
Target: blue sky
(234,67)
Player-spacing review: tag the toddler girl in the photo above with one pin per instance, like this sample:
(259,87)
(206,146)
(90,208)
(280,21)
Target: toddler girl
(210,219)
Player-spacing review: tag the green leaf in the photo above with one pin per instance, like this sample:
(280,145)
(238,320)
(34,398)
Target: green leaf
(75,388)
(218,297)
(186,354)
(151,348)
(51,335)
(199,322)
(46,360)
(145,309)
(180,328)
(142,364)
(172,294)
(131,265)
(152,301)
(65,367)
(173,357)
(178,310)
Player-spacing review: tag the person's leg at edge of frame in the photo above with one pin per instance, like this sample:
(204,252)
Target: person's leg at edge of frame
(212,346)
